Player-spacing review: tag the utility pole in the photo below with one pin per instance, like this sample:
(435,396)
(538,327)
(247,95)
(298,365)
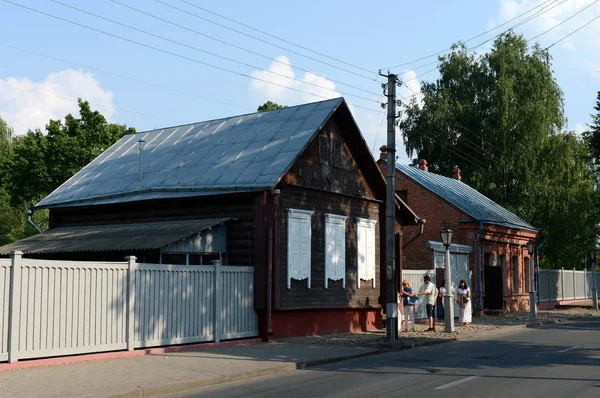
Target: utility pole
(391,285)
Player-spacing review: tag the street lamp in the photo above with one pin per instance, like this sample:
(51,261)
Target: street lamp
(592,256)
(532,306)
(446,235)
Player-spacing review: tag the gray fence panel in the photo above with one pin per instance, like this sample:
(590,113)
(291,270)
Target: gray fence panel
(173,304)
(545,288)
(580,285)
(415,278)
(589,284)
(4,305)
(69,308)
(238,318)
(559,285)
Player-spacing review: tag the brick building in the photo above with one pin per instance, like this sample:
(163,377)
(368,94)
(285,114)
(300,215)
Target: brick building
(488,244)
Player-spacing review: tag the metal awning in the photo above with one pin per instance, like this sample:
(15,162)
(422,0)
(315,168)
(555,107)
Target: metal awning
(112,237)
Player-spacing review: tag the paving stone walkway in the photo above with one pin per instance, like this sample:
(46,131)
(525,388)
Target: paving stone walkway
(482,325)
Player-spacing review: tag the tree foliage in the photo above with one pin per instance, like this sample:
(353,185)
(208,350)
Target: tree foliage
(270,106)
(592,136)
(500,117)
(36,164)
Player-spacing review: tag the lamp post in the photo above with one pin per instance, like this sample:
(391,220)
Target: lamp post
(446,235)
(592,256)
(532,303)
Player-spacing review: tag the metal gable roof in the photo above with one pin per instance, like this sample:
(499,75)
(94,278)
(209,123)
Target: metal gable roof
(465,198)
(240,153)
(113,237)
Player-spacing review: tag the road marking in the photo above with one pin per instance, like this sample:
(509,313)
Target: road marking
(569,349)
(455,383)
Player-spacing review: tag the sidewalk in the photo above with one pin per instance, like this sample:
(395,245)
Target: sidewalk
(154,375)
(169,373)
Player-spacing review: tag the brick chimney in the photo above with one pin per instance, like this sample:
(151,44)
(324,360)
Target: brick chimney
(423,165)
(456,173)
(383,152)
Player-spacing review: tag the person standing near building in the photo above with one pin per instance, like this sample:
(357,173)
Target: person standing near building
(464,303)
(431,292)
(408,305)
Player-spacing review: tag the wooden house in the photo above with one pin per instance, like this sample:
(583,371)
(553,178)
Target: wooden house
(293,192)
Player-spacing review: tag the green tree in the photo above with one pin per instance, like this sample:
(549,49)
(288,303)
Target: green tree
(592,136)
(270,106)
(499,116)
(42,162)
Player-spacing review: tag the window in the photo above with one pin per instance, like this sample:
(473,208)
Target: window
(365,243)
(527,274)
(299,245)
(335,248)
(516,276)
(323,149)
(337,153)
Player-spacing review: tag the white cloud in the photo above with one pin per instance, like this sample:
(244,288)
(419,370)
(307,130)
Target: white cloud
(373,124)
(544,16)
(579,129)
(26,104)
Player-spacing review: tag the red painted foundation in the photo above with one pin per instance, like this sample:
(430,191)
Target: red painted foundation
(551,304)
(320,322)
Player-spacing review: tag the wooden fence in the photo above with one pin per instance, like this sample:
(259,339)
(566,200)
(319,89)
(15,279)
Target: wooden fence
(53,308)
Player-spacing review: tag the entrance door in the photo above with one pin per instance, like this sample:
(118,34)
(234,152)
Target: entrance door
(493,288)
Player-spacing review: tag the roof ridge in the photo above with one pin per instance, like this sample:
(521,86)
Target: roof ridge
(464,197)
(232,117)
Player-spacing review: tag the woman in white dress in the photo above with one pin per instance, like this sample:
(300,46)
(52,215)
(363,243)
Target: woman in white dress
(464,303)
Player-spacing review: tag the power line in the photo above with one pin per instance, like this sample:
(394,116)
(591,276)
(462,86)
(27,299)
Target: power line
(538,13)
(264,41)
(95,105)
(471,49)
(472,38)
(125,77)
(207,52)
(378,129)
(173,53)
(562,22)
(276,37)
(236,46)
(573,32)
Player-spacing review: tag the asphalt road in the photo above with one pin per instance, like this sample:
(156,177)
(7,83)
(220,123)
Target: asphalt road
(561,360)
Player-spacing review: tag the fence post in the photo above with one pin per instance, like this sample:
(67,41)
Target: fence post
(217,292)
(14,306)
(562,282)
(584,282)
(574,285)
(130,334)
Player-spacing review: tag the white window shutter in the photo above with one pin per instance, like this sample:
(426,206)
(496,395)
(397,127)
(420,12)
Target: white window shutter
(299,245)
(365,250)
(335,249)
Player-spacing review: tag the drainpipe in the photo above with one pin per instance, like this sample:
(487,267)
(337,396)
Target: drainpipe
(30,219)
(270,246)
(537,266)
(479,265)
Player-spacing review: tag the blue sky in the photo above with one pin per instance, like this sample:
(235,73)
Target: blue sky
(372,36)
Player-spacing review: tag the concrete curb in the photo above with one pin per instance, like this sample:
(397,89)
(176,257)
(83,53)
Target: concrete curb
(156,391)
